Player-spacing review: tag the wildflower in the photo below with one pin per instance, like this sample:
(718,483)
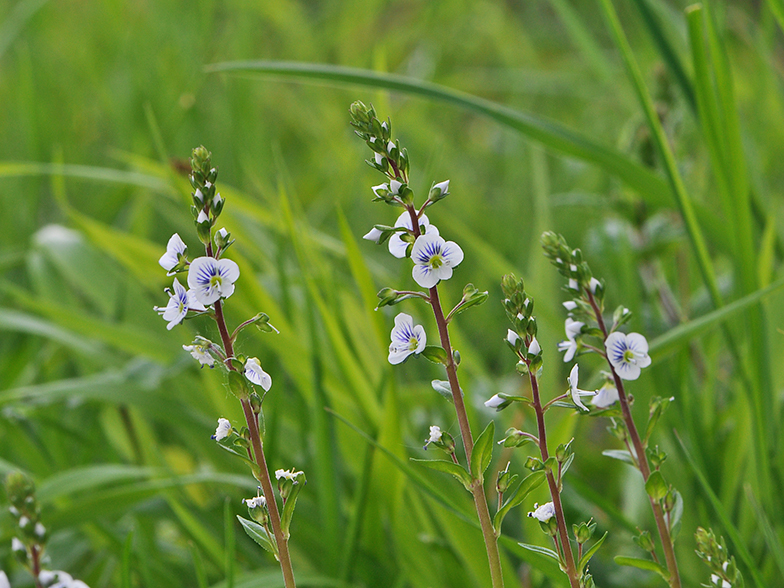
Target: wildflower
(390,189)
(606,396)
(543,513)
(435,435)
(534,348)
(406,339)
(628,354)
(495,401)
(442,187)
(397,246)
(512,338)
(223,430)
(200,353)
(179,303)
(570,345)
(373,235)
(434,259)
(255,374)
(255,502)
(570,305)
(379,158)
(175,251)
(202,218)
(575,391)
(212,279)
(593,284)
(715,580)
(287,474)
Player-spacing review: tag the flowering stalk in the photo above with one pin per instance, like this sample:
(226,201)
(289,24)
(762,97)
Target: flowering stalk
(434,259)
(662,525)
(626,355)
(211,280)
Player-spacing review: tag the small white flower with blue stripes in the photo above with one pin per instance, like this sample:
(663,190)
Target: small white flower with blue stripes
(407,338)
(434,259)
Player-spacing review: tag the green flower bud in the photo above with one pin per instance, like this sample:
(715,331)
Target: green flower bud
(584,531)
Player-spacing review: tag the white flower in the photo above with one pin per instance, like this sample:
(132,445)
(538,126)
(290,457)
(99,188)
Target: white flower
(390,147)
(593,284)
(255,502)
(373,235)
(59,579)
(397,246)
(212,279)
(174,249)
(198,195)
(200,353)
(216,201)
(533,348)
(573,285)
(223,430)
(575,391)
(287,474)
(255,374)
(606,396)
(179,303)
(570,305)
(434,259)
(572,328)
(202,218)
(494,402)
(512,337)
(442,186)
(627,354)
(392,188)
(379,158)
(435,435)
(407,338)
(715,578)
(4,583)
(543,513)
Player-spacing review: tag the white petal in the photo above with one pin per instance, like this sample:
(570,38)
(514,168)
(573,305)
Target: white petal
(379,158)
(570,305)
(397,355)
(512,337)
(229,270)
(574,376)
(421,336)
(397,246)
(607,396)
(593,284)
(202,217)
(494,402)
(424,276)
(395,186)
(373,235)
(452,253)
(4,583)
(403,321)
(534,348)
(443,186)
(380,187)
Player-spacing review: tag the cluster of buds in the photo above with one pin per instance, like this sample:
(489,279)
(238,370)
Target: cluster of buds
(388,157)
(29,545)
(570,264)
(724,572)
(521,338)
(207,203)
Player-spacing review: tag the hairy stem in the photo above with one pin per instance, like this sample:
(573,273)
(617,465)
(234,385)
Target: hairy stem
(642,458)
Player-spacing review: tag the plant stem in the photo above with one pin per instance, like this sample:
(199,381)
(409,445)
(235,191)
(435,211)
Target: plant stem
(258,450)
(642,458)
(477,489)
(555,493)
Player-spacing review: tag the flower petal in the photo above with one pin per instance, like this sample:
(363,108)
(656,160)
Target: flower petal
(424,276)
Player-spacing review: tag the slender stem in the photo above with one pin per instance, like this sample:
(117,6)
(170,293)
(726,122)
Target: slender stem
(36,564)
(555,493)
(258,450)
(477,489)
(642,458)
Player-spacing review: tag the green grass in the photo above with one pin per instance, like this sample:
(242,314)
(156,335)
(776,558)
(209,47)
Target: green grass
(660,159)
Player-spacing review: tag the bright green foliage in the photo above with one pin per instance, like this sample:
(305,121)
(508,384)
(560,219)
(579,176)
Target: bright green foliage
(102,103)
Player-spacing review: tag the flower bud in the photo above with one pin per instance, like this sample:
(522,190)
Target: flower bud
(584,531)
(203,227)
(645,541)
(200,158)
(439,191)
(222,238)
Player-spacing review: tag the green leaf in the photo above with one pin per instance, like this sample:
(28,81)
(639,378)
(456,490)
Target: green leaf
(450,467)
(655,486)
(620,454)
(258,533)
(443,388)
(552,135)
(435,354)
(482,453)
(541,550)
(676,515)
(291,504)
(524,488)
(642,564)
(589,554)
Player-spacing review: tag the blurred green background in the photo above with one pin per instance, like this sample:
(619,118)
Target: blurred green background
(102,103)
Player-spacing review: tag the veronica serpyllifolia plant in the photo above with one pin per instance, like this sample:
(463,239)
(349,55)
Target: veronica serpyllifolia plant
(30,536)
(626,355)
(412,236)
(521,339)
(211,280)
